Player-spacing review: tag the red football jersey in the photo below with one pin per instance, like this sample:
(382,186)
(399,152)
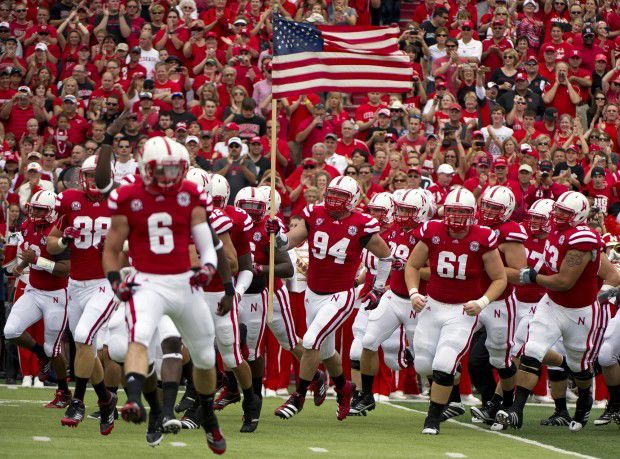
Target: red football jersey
(507,232)
(584,239)
(159,225)
(93,220)
(456,265)
(401,244)
(258,240)
(535,250)
(335,247)
(242,224)
(221,224)
(35,238)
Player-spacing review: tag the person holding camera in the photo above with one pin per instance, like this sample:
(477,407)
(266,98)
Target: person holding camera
(544,186)
(313,129)
(562,94)
(239,171)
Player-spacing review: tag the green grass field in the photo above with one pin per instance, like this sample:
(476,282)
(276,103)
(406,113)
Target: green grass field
(392,430)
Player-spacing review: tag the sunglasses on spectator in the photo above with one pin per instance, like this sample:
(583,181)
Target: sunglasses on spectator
(111,103)
(309,166)
(351,173)
(600,98)
(543,143)
(400,181)
(451,46)
(466,29)
(575,12)
(364,172)
(521,102)
(442,35)
(49,155)
(21,11)
(413,176)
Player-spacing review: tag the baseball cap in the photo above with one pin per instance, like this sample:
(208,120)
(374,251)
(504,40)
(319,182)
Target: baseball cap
(210,62)
(575,53)
(236,140)
(467,24)
(545,166)
(491,84)
(600,57)
(500,162)
(415,169)
(40,47)
(526,167)
(397,105)
(531,151)
(122,47)
(11,156)
(498,22)
(255,139)
(240,21)
(445,169)
(319,106)
(211,35)
(232,127)
(34,167)
(587,30)
(182,126)
(24,89)
(455,106)
(70,98)
(206,134)
(384,112)
(477,134)
(531,2)
(548,48)
(138,75)
(36,154)
(331,135)
(521,77)
(551,113)
(84,48)
(43,30)
(136,49)
(597,171)
(431,134)
(573,147)
(4,25)
(440,84)
(146,95)
(484,161)
(176,94)
(532,58)
(191,138)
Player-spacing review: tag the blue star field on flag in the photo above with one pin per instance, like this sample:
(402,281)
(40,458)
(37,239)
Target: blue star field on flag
(292,37)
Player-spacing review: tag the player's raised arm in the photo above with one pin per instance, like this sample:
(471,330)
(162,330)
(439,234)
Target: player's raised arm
(289,240)
(103,173)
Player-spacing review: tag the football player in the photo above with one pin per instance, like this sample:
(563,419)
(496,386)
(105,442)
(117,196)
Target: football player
(159,217)
(460,254)
(46,295)
(85,221)
(336,235)
(569,311)
(394,313)
(499,318)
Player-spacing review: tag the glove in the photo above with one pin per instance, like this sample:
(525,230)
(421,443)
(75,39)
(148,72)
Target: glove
(202,276)
(605,295)
(528,276)
(272,226)
(398,265)
(70,233)
(372,298)
(258,270)
(124,291)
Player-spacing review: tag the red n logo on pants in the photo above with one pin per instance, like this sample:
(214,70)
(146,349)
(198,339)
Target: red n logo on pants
(581,321)
(254,307)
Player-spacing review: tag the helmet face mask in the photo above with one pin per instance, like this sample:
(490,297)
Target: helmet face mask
(219,201)
(87,182)
(537,224)
(166,175)
(458,218)
(490,212)
(337,201)
(378,212)
(562,217)
(255,209)
(38,214)
(405,214)
(41,208)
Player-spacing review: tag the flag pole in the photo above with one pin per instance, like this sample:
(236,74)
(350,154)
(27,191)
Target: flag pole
(272,208)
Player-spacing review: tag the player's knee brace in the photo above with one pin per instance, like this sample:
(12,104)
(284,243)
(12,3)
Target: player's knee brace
(506,373)
(530,365)
(355,365)
(172,356)
(584,375)
(557,375)
(442,378)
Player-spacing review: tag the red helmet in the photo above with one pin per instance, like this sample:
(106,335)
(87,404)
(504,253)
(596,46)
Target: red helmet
(163,164)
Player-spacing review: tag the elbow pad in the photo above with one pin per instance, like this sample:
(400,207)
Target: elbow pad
(244,279)
(383,271)
(204,243)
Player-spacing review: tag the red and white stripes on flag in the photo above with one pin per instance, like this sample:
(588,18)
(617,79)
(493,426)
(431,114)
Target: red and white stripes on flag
(352,59)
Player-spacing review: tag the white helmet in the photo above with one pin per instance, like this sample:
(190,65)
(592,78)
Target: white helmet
(253,201)
(570,209)
(431,201)
(459,209)
(163,163)
(342,195)
(398,194)
(413,207)
(381,206)
(496,205)
(538,217)
(220,190)
(87,177)
(266,189)
(41,208)
(199,177)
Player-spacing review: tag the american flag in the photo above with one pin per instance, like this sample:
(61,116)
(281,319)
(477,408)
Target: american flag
(310,58)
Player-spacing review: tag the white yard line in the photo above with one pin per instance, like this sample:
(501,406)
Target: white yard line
(41,438)
(456,455)
(315,449)
(501,434)
(178,444)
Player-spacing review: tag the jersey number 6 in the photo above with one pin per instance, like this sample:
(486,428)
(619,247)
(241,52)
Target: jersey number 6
(446,262)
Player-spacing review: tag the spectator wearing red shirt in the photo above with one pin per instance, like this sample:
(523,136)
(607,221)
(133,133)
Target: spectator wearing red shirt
(525,187)
(313,129)
(562,94)
(317,161)
(547,69)
(367,185)
(414,138)
(173,36)
(218,18)
(78,126)
(9,57)
(366,114)
(544,187)
(493,48)
(610,124)
(6,92)
(587,49)
(499,175)
(478,182)
(599,189)
(423,11)
(347,144)
(562,48)
(580,77)
(17,111)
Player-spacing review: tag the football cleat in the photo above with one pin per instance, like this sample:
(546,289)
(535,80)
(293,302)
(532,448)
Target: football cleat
(61,400)
(96,415)
(226,398)
(582,413)
(191,418)
(343,397)
(189,397)
(74,414)
(319,387)
(154,434)
(106,414)
(452,410)
(216,441)
(133,412)
(608,415)
(45,369)
(291,407)
(486,413)
(509,418)
(497,427)
(557,419)
(431,427)
(251,414)
(361,404)
(171,425)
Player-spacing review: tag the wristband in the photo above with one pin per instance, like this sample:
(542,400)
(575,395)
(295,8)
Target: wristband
(114,278)
(229,290)
(483,301)
(62,244)
(533,275)
(412,291)
(45,264)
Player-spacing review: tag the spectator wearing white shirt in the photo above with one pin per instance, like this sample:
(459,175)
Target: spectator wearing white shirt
(469,49)
(32,184)
(332,158)
(125,164)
